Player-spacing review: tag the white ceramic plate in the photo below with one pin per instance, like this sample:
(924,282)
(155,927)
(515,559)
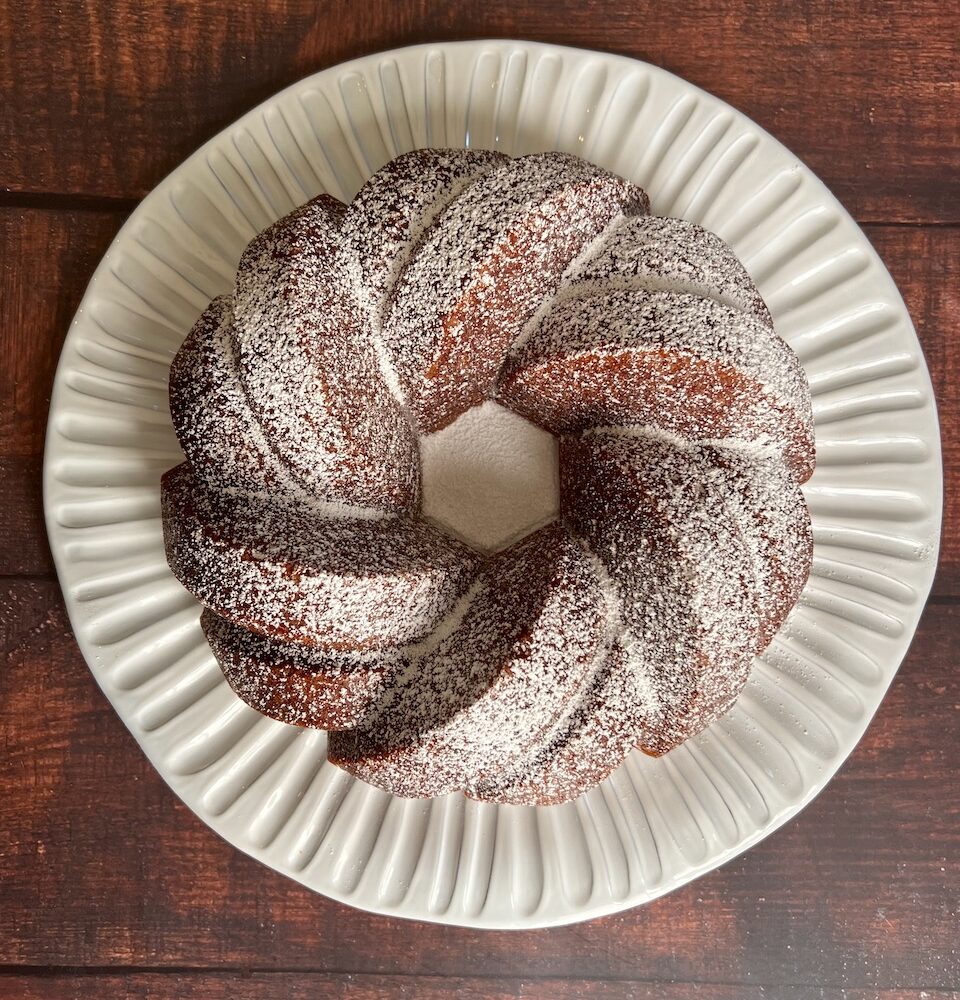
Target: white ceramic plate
(655,824)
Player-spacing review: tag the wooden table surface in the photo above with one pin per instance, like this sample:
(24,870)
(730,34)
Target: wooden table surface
(109,887)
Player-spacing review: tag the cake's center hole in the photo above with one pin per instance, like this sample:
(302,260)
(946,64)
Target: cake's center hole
(490,477)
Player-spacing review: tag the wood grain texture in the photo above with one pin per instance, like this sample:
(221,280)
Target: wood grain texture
(925,263)
(319,986)
(104,98)
(46,259)
(109,887)
(107,868)
(24,550)
(47,256)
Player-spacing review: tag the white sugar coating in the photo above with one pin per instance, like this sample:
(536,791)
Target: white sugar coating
(563,288)
(694,537)
(476,702)
(595,734)
(676,360)
(216,430)
(289,573)
(759,495)
(385,222)
(632,696)
(655,252)
(311,379)
(601,723)
(297,684)
(455,276)
(622,320)
(481,270)
(222,439)
(490,477)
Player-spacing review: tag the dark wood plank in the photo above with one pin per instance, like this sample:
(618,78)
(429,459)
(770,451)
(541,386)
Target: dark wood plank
(23,536)
(46,260)
(105,98)
(103,867)
(319,986)
(108,886)
(47,257)
(925,263)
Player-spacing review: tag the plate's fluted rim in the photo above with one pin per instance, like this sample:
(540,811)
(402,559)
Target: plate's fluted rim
(559,908)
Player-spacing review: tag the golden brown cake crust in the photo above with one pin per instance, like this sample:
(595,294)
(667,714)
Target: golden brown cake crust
(299,575)
(299,684)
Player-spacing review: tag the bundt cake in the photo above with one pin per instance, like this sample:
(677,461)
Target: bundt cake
(456,277)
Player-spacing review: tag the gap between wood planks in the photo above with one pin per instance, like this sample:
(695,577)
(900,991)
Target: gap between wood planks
(214,972)
(71,202)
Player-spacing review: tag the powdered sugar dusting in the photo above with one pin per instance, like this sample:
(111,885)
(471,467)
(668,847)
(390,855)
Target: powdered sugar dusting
(299,684)
(674,254)
(705,545)
(599,726)
(311,381)
(453,314)
(289,573)
(386,221)
(684,363)
(486,694)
